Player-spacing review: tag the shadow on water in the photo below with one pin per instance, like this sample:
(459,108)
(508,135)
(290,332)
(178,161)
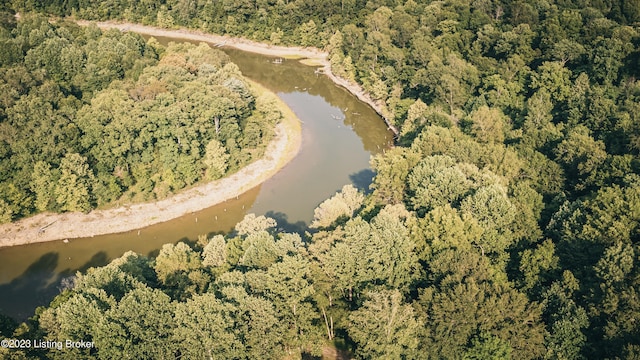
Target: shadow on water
(282,219)
(192,242)
(99,259)
(211,234)
(362,180)
(18,300)
(154,253)
(40,278)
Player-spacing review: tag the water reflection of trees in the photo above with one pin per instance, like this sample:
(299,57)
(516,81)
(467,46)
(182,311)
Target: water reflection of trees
(40,283)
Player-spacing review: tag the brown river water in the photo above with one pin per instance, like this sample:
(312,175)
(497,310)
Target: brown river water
(339,134)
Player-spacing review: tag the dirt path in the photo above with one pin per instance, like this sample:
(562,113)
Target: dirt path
(49,226)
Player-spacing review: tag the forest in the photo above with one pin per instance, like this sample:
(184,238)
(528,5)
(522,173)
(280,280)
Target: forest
(503,224)
(91,119)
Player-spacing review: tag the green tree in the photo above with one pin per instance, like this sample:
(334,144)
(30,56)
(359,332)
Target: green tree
(343,204)
(415,117)
(538,266)
(435,181)
(391,171)
(288,285)
(538,129)
(113,280)
(488,125)
(606,59)
(139,326)
(260,250)
(179,270)
(77,318)
(215,252)
(6,213)
(566,320)
(450,80)
(380,253)
(216,158)
(385,327)
(256,319)
(276,36)
(495,214)
(470,298)
(42,185)
(487,346)
(554,78)
(567,51)
(617,302)
(251,224)
(581,156)
(73,190)
(308,34)
(206,327)
(175,258)
(445,228)
(507,94)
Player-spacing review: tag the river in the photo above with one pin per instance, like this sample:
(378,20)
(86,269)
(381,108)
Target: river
(339,134)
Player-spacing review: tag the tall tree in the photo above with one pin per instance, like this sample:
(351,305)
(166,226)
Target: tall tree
(385,327)
(73,190)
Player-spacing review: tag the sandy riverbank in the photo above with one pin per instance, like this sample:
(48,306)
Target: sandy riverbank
(317,57)
(49,226)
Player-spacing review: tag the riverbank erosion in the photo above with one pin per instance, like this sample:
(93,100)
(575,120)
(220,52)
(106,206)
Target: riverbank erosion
(316,57)
(50,227)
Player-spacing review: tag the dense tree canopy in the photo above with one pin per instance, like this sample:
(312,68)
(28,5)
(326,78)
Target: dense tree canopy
(504,224)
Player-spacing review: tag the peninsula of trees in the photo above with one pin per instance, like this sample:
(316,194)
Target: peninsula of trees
(90,119)
(505,224)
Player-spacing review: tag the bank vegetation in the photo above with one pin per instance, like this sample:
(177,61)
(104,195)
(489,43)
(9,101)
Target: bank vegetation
(506,224)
